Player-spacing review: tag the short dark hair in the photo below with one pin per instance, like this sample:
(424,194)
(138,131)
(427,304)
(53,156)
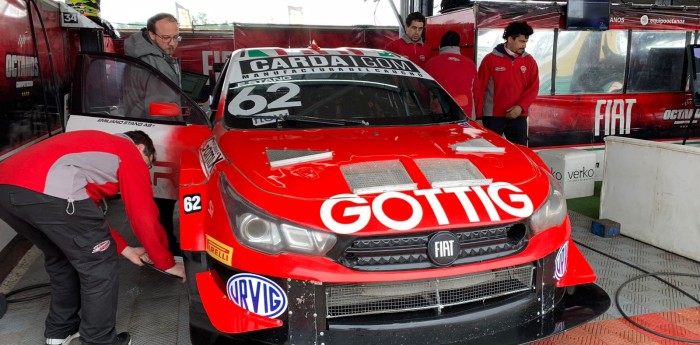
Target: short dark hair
(516,29)
(151,23)
(449,39)
(139,137)
(415,17)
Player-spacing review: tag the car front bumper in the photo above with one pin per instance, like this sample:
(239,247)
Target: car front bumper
(537,313)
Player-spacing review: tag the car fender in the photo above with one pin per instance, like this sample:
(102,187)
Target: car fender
(193,200)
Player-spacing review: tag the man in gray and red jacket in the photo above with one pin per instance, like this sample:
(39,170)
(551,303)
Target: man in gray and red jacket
(48,193)
(510,82)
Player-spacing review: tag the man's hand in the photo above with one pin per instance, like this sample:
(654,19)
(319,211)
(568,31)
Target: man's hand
(514,112)
(134,254)
(178,270)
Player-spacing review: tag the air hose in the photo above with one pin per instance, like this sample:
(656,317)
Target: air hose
(5,299)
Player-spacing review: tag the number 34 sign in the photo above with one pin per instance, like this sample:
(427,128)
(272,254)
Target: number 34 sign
(70,17)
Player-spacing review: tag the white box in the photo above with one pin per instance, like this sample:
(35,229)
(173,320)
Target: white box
(573,168)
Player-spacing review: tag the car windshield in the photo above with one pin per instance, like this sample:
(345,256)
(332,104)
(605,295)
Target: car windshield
(312,100)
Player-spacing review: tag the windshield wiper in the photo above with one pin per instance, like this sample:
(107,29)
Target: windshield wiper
(317,120)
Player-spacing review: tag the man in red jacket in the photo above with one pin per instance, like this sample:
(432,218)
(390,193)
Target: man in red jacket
(509,82)
(456,73)
(48,193)
(411,44)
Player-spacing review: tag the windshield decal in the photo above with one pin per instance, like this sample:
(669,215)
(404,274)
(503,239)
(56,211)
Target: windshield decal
(209,155)
(266,80)
(245,103)
(278,66)
(349,213)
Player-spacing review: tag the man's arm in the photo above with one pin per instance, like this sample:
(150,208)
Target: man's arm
(483,77)
(475,88)
(137,193)
(532,87)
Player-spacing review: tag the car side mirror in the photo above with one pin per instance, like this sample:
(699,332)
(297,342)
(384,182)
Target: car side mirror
(164,109)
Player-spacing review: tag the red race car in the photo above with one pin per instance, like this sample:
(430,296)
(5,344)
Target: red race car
(343,197)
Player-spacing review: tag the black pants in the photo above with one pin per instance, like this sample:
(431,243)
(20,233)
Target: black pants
(166,210)
(515,130)
(80,258)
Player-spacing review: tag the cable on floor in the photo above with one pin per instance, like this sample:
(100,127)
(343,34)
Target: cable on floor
(647,274)
(5,299)
(655,275)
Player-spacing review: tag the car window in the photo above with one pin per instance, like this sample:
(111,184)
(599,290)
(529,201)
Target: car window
(370,97)
(122,88)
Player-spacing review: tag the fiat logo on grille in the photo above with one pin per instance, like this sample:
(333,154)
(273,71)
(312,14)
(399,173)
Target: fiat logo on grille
(443,248)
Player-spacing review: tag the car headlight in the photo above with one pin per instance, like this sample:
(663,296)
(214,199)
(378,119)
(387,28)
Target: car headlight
(258,230)
(553,211)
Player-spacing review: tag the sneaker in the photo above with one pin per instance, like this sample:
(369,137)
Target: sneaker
(123,339)
(66,341)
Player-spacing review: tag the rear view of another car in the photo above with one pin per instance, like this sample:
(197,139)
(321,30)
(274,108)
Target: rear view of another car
(344,198)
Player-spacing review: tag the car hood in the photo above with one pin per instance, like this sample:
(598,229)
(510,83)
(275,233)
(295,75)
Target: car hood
(293,173)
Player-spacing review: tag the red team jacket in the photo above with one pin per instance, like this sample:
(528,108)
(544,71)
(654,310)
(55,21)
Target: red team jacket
(93,164)
(507,81)
(416,52)
(457,74)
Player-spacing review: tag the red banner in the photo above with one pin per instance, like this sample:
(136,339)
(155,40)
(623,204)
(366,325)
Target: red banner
(587,119)
(622,18)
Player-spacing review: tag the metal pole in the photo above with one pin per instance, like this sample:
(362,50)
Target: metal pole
(402,30)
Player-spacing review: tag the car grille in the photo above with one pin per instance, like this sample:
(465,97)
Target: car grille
(411,252)
(375,298)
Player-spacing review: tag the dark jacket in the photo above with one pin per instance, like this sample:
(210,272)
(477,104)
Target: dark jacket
(141,88)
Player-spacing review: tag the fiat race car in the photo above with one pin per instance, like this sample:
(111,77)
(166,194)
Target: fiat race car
(344,198)
(340,196)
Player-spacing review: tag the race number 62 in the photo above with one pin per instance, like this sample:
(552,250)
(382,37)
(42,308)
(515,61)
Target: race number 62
(257,103)
(192,203)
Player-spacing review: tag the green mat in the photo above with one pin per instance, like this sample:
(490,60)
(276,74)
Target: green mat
(588,206)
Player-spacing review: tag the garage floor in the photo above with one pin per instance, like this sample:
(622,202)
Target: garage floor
(153,307)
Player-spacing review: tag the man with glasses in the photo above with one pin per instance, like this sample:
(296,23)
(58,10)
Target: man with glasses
(154,45)
(48,194)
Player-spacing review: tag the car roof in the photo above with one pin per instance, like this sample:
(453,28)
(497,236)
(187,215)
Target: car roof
(276,51)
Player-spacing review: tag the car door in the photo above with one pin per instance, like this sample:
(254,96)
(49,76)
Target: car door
(115,94)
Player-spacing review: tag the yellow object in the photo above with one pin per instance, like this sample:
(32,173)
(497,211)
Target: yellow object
(88,8)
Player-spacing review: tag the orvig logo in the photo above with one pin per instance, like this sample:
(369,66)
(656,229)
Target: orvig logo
(256,294)
(560,262)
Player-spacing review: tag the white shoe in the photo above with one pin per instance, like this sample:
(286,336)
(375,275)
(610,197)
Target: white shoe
(54,341)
